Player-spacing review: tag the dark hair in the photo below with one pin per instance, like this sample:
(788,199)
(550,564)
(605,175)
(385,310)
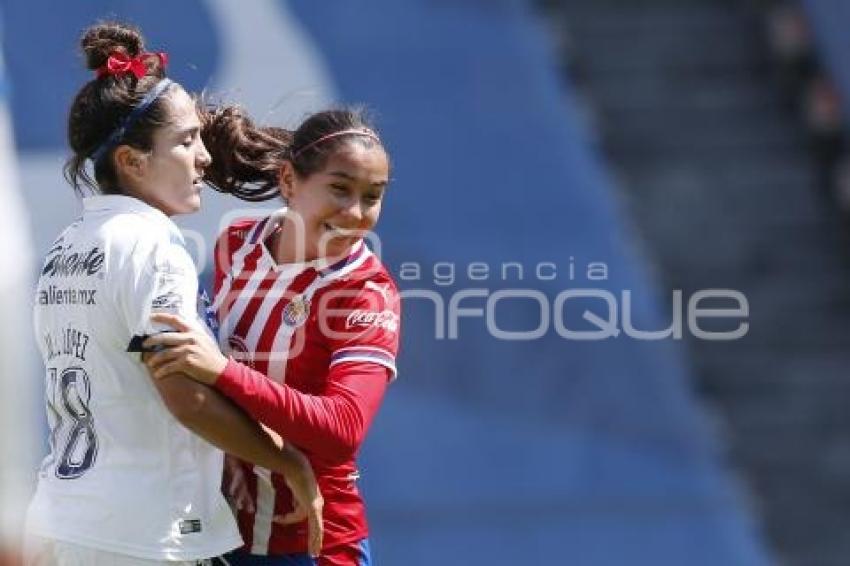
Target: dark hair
(102,104)
(246,159)
(307,156)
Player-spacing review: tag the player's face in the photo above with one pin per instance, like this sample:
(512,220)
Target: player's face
(341,203)
(172,171)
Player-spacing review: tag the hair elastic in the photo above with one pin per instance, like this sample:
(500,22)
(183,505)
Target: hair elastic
(361,132)
(116,136)
(120,63)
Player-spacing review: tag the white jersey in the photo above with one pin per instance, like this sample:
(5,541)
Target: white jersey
(122,475)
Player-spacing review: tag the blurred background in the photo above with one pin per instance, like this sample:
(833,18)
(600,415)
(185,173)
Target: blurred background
(627,152)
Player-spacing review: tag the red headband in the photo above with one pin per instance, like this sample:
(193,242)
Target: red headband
(119,63)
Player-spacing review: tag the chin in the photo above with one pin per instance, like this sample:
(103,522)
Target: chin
(340,247)
(193,204)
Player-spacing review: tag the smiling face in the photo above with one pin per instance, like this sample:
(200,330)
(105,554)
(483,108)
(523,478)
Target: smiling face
(336,206)
(168,177)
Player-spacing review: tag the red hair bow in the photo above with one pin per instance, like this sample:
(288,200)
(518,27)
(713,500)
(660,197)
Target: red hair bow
(119,63)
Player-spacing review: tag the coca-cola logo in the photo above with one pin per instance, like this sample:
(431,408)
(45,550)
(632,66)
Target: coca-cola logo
(61,263)
(387,319)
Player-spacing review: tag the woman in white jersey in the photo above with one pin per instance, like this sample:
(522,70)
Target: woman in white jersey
(134,471)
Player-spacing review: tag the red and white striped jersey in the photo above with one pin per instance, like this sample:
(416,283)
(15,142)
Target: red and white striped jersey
(319,340)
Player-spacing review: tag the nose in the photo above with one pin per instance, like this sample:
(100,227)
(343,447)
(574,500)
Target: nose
(353,210)
(203,157)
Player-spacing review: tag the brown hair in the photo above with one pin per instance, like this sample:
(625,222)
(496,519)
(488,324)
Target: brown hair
(103,103)
(247,158)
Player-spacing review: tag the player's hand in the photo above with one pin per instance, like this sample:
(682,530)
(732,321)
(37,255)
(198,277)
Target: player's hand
(236,490)
(189,351)
(308,500)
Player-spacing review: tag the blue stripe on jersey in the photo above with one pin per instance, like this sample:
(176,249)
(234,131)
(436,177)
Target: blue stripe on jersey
(363,354)
(254,236)
(242,558)
(361,249)
(365,553)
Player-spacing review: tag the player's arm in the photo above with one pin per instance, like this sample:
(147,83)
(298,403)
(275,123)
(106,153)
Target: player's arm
(163,277)
(331,425)
(210,415)
(360,329)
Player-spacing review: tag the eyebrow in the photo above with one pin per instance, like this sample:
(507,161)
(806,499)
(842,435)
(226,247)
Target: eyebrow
(186,131)
(347,177)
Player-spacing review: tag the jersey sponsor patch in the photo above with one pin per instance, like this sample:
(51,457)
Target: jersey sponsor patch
(168,301)
(189,526)
(63,261)
(166,268)
(55,295)
(386,319)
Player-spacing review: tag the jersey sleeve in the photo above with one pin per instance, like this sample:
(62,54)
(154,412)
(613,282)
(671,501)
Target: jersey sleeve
(160,278)
(332,424)
(361,323)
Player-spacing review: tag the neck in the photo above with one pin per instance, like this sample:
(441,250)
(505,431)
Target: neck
(285,243)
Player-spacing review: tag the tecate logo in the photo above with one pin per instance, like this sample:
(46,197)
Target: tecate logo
(388,320)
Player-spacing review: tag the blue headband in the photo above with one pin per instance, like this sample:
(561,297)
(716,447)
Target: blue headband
(131,118)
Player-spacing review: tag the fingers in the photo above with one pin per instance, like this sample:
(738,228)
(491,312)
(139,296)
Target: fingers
(171,320)
(168,369)
(238,493)
(295,516)
(242,501)
(237,488)
(155,362)
(315,528)
(167,340)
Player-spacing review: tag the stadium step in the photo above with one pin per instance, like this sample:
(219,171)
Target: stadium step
(715,173)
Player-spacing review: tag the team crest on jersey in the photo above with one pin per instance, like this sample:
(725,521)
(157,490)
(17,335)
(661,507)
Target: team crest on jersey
(296,312)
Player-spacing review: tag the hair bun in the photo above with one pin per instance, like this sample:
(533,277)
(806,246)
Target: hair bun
(102,39)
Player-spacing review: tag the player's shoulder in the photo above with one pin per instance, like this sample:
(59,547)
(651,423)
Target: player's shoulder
(241,228)
(132,233)
(238,232)
(234,236)
(370,274)
(370,285)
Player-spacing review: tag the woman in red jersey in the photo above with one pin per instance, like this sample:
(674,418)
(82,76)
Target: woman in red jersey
(309,318)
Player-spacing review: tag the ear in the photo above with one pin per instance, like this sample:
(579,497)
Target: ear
(287,177)
(130,162)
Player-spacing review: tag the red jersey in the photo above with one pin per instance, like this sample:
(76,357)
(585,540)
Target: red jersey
(313,347)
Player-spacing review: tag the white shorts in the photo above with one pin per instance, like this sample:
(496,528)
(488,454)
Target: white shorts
(49,552)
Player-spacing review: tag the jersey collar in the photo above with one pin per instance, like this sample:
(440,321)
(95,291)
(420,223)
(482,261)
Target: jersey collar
(124,203)
(324,266)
